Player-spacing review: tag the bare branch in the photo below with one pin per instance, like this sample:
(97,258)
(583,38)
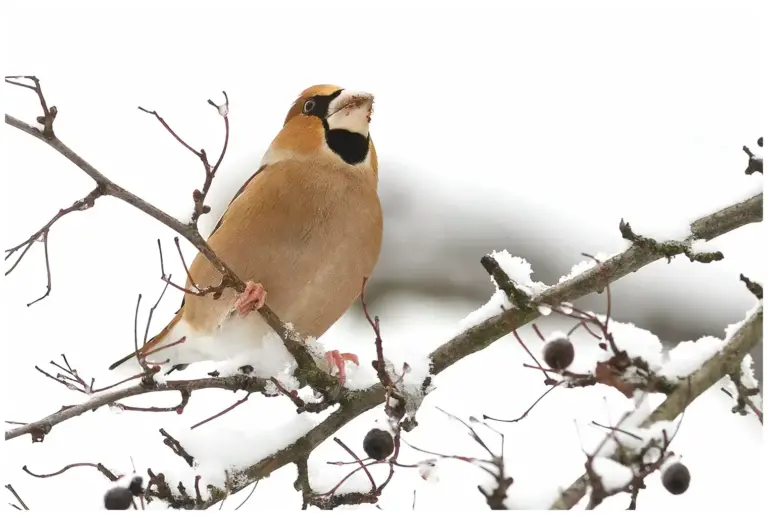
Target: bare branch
(179,408)
(98,466)
(547,379)
(380,364)
(10,488)
(755,288)
(222,412)
(177,448)
(49,115)
(743,395)
(668,248)
(42,235)
(525,414)
(255,484)
(232,383)
(755,163)
(200,154)
(198,196)
(358,461)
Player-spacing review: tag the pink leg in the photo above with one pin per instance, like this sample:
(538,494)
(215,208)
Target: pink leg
(338,359)
(251,299)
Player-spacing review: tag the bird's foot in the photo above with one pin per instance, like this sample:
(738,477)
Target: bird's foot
(338,359)
(254,297)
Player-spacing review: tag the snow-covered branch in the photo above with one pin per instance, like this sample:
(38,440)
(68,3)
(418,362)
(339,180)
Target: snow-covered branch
(748,335)
(480,336)
(595,279)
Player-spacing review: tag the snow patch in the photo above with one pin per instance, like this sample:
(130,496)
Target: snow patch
(613,475)
(428,471)
(688,356)
(748,372)
(662,229)
(222,446)
(585,265)
(635,341)
(495,306)
(702,246)
(544,309)
(519,271)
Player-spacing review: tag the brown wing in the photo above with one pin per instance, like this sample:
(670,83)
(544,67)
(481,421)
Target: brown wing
(239,192)
(221,219)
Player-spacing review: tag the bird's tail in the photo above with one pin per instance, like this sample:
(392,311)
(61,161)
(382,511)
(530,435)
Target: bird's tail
(155,343)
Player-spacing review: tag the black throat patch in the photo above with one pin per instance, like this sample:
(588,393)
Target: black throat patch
(352,147)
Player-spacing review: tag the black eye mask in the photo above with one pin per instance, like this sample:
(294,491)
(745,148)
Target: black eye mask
(350,146)
(320,104)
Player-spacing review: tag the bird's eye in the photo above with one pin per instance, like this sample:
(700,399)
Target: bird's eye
(309,105)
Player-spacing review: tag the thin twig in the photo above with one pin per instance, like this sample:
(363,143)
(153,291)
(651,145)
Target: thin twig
(381,370)
(98,466)
(525,414)
(525,347)
(177,448)
(179,408)
(255,484)
(358,461)
(152,310)
(41,234)
(17,496)
(222,412)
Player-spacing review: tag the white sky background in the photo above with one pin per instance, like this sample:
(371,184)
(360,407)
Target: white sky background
(569,118)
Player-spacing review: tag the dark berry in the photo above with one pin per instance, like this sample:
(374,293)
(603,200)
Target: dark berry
(135,486)
(378,444)
(118,498)
(676,478)
(760,141)
(558,354)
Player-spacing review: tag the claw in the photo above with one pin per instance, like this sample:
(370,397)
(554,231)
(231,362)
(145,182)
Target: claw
(253,298)
(338,359)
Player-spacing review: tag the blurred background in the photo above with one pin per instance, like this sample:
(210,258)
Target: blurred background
(530,130)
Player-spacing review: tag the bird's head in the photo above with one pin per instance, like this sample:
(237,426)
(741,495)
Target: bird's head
(328,118)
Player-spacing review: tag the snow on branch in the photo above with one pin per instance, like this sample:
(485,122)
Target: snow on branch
(594,279)
(747,336)
(483,334)
(521,301)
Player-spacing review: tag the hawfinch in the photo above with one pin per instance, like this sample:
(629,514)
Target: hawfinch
(306,227)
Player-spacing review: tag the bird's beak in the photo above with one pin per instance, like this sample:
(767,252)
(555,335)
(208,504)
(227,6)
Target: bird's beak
(352,111)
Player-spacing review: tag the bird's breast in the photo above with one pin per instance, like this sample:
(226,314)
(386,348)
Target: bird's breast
(309,232)
(339,247)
